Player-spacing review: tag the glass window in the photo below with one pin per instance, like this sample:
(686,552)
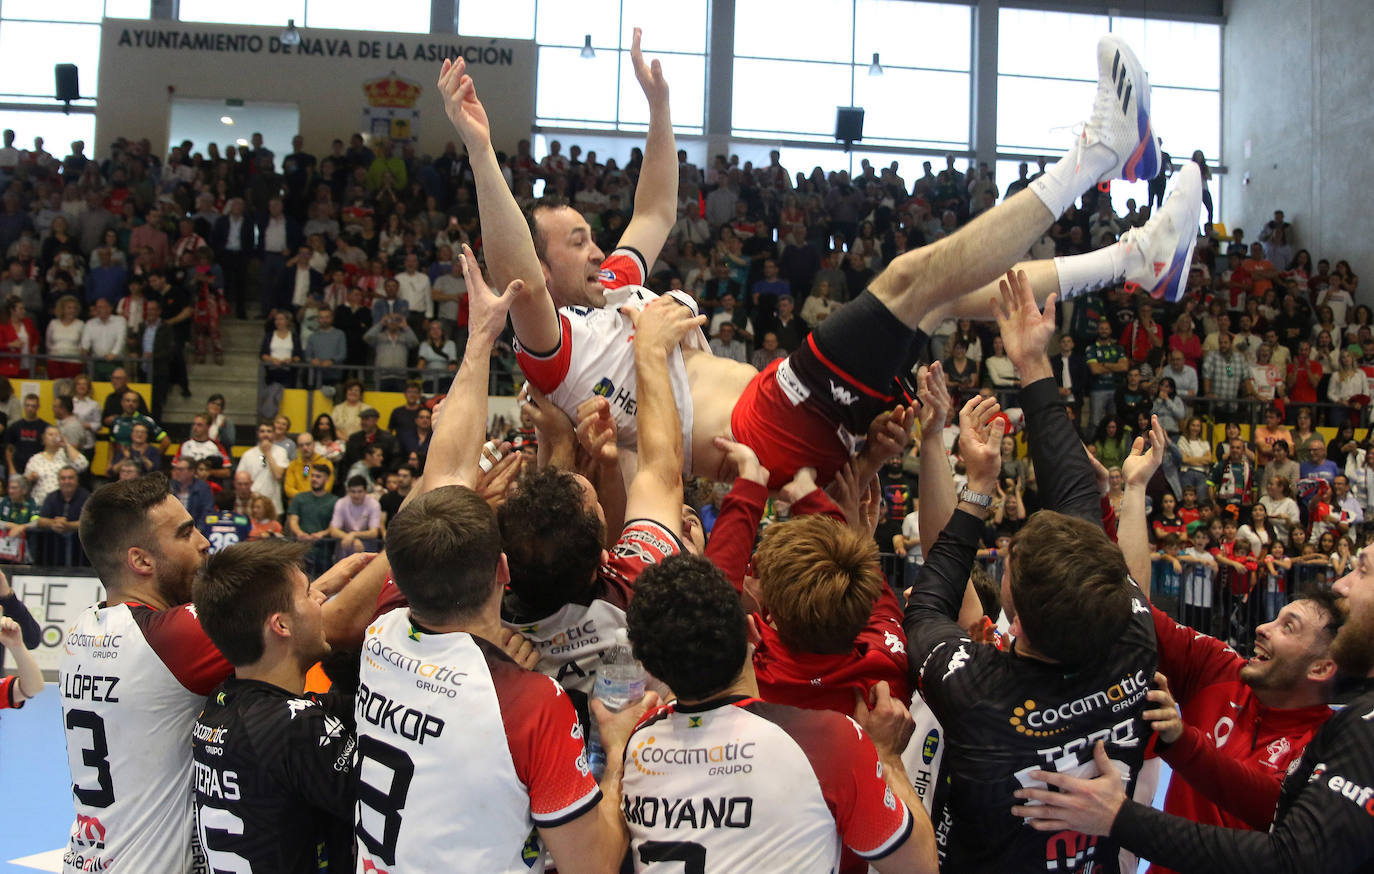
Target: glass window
(914,106)
(887,26)
(668,27)
(126,8)
(1179,53)
(570,87)
(1036,115)
(818,30)
(57,129)
(268,13)
(686,75)
(567,24)
(29,49)
(1029,43)
(401,16)
(793,97)
(509,19)
(1187,120)
(88,11)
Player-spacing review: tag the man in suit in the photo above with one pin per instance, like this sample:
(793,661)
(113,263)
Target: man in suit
(157,345)
(1070,372)
(279,236)
(234,239)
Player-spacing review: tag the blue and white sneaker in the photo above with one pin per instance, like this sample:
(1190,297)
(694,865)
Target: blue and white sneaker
(1159,255)
(1121,114)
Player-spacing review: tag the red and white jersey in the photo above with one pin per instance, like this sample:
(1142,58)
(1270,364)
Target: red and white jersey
(571,642)
(9,693)
(462,754)
(132,680)
(725,785)
(595,354)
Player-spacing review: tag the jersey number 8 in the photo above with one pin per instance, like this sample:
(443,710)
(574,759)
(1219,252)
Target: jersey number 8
(376,757)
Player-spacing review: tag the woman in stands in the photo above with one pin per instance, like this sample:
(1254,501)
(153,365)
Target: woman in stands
(1303,432)
(1360,319)
(327,442)
(1348,387)
(64,339)
(17,337)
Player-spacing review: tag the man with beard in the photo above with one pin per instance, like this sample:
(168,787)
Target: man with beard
(1326,803)
(288,756)
(136,672)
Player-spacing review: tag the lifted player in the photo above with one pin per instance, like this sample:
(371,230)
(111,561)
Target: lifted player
(818,403)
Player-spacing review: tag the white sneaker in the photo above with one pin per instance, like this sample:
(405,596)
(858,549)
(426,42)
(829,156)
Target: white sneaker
(1121,114)
(1158,255)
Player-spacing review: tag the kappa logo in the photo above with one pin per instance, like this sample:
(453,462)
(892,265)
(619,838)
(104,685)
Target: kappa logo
(296,705)
(1278,749)
(894,643)
(842,395)
(956,661)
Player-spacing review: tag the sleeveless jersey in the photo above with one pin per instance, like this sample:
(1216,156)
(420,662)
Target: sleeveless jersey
(133,680)
(595,354)
(225,529)
(462,754)
(725,785)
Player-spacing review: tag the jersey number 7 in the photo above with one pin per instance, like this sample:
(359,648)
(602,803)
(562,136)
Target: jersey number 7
(693,856)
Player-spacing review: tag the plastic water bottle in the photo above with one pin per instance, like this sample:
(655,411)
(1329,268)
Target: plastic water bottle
(619,683)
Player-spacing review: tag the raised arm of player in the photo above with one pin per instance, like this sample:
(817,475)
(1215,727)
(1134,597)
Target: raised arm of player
(1132,531)
(656,196)
(455,447)
(506,239)
(937,480)
(29,681)
(655,493)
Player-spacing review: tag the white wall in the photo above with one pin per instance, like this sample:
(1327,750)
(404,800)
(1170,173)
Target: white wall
(215,61)
(1296,80)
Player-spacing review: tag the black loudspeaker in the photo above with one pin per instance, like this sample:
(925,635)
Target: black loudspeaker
(68,88)
(849,123)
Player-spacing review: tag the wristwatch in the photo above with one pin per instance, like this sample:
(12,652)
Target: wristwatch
(969,496)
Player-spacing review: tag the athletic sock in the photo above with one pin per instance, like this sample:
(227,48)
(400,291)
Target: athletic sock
(1079,274)
(1065,180)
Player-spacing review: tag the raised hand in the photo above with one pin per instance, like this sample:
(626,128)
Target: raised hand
(980,442)
(740,462)
(936,405)
(466,112)
(486,309)
(11,635)
(1164,717)
(596,431)
(886,719)
(1026,331)
(650,76)
(889,434)
(802,484)
(1142,463)
(662,324)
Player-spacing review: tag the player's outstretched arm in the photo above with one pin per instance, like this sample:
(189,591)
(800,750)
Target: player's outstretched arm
(937,480)
(506,239)
(30,680)
(656,196)
(455,447)
(1132,531)
(655,493)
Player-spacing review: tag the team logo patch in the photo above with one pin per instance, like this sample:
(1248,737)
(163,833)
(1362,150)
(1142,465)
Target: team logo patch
(930,745)
(219,699)
(413,633)
(88,832)
(605,388)
(605,275)
(694,722)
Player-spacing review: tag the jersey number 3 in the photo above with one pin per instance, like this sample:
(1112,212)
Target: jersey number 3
(96,756)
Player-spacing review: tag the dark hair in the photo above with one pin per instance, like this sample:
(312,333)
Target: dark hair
(541,243)
(1068,584)
(240,587)
(444,549)
(553,541)
(315,428)
(115,518)
(356,481)
(63,401)
(688,627)
(1326,601)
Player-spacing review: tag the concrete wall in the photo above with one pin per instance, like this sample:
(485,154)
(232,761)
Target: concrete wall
(139,73)
(1298,118)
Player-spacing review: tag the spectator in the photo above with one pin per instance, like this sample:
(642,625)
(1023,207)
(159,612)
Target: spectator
(144,457)
(311,511)
(18,338)
(346,416)
(768,352)
(357,518)
(114,401)
(392,339)
(1348,387)
(326,346)
(396,494)
(104,338)
(63,339)
(298,478)
(281,436)
(327,442)
(416,439)
(193,494)
(439,358)
(121,429)
(59,520)
(370,435)
(726,345)
(200,446)
(266,464)
(1319,466)
(1143,335)
(402,418)
(265,524)
(281,349)
(157,346)
(1106,358)
(84,407)
(368,468)
(1224,373)
(24,438)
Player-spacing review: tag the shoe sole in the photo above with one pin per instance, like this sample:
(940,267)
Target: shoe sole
(1176,279)
(1143,163)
